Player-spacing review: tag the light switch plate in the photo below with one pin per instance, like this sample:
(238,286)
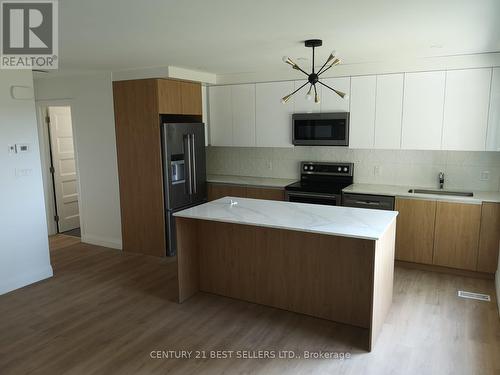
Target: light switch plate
(485,175)
(23,172)
(22,147)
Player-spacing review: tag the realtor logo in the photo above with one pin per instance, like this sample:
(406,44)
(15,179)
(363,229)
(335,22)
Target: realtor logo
(29,34)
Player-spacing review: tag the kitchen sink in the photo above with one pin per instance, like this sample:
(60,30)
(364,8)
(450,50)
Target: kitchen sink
(442,192)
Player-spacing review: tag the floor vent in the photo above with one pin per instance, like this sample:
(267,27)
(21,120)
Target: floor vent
(470,295)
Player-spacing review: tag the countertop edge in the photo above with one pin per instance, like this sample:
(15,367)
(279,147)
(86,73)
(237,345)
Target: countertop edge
(283,227)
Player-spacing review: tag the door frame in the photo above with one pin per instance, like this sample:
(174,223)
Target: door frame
(45,158)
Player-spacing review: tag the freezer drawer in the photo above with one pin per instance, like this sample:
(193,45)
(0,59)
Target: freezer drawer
(377,202)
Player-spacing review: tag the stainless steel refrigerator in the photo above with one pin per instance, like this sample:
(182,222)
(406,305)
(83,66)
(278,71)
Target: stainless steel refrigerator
(184,172)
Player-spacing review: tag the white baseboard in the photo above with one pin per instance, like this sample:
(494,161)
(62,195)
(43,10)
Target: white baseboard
(24,280)
(112,243)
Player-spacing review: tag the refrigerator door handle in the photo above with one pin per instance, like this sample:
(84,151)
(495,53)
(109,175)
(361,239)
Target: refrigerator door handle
(190,164)
(193,150)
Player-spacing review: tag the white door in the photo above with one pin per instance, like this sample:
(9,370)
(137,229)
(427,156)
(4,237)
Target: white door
(221,116)
(330,101)
(493,137)
(362,115)
(423,103)
(388,111)
(63,161)
(273,118)
(466,103)
(243,107)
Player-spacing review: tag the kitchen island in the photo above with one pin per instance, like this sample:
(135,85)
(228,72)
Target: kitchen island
(331,262)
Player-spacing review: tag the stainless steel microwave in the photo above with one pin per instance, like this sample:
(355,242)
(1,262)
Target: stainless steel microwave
(321,129)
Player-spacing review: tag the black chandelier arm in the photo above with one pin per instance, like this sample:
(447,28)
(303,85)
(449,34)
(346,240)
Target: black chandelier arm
(299,68)
(339,93)
(321,72)
(298,89)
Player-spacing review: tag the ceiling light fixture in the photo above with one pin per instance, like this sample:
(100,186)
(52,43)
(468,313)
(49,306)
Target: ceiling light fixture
(313,78)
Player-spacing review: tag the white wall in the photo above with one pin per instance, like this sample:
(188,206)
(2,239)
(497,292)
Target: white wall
(91,100)
(24,252)
(395,167)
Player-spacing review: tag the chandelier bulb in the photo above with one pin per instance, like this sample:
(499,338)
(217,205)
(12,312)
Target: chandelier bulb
(309,95)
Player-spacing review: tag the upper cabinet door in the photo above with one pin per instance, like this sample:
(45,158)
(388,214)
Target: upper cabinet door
(302,104)
(362,115)
(221,116)
(388,112)
(191,98)
(169,96)
(273,118)
(493,137)
(466,104)
(243,107)
(423,111)
(330,101)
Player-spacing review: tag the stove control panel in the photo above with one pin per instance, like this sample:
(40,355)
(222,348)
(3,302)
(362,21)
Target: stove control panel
(332,169)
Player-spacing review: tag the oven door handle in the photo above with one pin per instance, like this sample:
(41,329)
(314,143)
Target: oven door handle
(330,196)
(368,203)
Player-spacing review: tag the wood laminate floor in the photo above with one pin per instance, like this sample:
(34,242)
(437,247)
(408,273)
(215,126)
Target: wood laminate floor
(105,311)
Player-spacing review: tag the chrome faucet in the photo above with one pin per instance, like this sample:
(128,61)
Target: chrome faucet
(441,180)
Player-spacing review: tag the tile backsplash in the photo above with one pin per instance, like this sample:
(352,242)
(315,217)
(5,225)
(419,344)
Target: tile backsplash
(463,170)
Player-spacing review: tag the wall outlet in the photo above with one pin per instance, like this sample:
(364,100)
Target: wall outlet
(485,175)
(12,149)
(376,170)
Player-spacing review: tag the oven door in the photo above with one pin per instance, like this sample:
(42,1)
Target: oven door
(313,198)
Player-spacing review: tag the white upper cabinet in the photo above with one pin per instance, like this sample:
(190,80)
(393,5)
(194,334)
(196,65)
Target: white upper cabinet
(493,136)
(362,114)
(388,111)
(466,105)
(423,111)
(243,107)
(273,118)
(302,105)
(221,116)
(330,101)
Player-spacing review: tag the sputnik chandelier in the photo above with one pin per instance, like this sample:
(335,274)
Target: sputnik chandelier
(313,78)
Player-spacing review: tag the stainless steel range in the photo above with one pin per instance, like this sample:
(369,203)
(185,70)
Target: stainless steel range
(320,183)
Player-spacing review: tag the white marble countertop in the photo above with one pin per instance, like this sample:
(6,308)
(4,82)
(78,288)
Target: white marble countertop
(402,191)
(250,181)
(331,220)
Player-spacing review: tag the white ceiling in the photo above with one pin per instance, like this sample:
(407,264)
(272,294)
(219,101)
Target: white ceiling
(237,36)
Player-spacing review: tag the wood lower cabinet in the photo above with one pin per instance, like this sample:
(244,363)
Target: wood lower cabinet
(415,230)
(216,191)
(489,238)
(457,235)
(266,193)
(449,234)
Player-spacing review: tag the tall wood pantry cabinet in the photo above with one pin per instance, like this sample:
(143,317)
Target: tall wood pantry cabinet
(138,105)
